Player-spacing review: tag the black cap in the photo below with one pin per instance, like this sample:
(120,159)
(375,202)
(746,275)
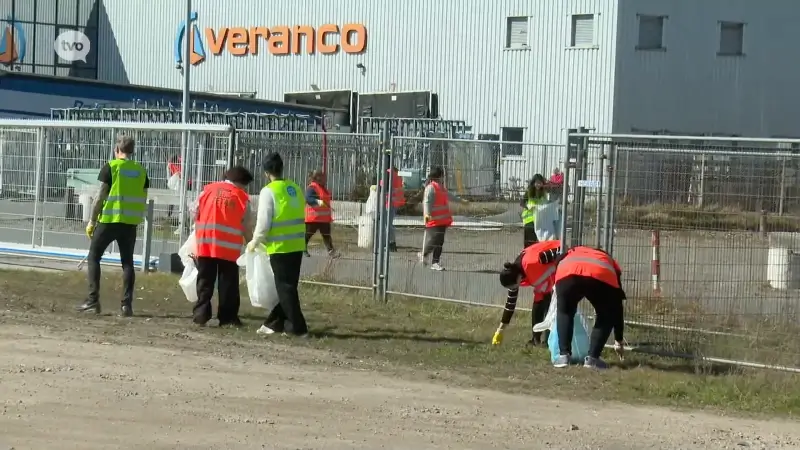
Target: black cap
(273,164)
(509,276)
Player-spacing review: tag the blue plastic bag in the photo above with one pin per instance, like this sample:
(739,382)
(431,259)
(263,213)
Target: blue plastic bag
(580,340)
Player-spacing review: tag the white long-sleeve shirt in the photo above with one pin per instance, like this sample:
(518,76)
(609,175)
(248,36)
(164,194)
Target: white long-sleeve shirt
(264,215)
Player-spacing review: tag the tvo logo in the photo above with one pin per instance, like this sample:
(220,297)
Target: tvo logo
(72,45)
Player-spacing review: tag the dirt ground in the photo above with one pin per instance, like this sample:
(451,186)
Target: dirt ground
(79,385)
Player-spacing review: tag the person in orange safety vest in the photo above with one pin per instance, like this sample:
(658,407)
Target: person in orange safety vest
(437,217)
(527,270)
(586,272)
(223,223)
(398,199)
(319,214)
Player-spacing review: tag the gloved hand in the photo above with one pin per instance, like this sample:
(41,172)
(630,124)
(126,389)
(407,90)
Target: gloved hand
(497,339)
(426,218)
(320,203)
(90,229)
(251,246)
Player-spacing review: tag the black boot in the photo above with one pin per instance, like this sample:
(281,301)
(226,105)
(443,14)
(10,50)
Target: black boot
(89,306)
(126,310)
(392,246)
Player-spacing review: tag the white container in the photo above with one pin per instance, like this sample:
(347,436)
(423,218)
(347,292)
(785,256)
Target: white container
(783,268)
(86,205)
(366,231)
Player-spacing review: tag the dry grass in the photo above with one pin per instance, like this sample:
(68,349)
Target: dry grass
(680,326)
(414,338)
(708,218)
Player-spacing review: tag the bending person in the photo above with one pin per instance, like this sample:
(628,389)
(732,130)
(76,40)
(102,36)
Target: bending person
(527,270)
(585,272)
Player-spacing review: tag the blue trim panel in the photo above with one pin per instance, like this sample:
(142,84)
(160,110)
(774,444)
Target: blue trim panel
(25,113)
(103,92)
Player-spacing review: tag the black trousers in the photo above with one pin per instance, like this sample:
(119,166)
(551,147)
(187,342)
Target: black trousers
(324,229)
(529,235)
(434,243)
(209,270)
(125,237)
(607,303)
(538,313)
(287,316)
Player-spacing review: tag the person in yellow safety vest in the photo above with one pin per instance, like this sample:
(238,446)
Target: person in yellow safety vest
(535,195)
(119,207)
(281,229)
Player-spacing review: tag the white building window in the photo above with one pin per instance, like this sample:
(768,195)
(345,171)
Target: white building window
(731,39)
(651,33)
(582,30)
(510,134)
(517,32)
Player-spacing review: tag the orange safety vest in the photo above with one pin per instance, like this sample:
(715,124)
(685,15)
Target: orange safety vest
(537,275)
(316,213)
(218,230)
(440,213)
(589,262)
(398,196)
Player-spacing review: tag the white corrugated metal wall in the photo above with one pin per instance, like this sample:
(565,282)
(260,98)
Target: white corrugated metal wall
(456,49)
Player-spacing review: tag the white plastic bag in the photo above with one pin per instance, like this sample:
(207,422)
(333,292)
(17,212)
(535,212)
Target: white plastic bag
(371,206)
(188,249)
(547,221)
(549,318)
(174,182)
(188,281)
(260,279)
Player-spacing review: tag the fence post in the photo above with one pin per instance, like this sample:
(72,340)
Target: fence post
(782,193)
(702,187)
(608,220)
(41,154)
(655,264)
(388,222)
(565,191)
(377,244)
(147,243)
(599,202)
(233,145)
(184,184)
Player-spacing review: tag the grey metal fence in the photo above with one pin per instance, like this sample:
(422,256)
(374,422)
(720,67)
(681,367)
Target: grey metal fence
(705,230)
(49,170)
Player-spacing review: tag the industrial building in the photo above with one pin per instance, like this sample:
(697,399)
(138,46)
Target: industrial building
(511,69)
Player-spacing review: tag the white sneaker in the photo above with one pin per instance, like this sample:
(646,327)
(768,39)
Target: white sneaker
(265,330)
(437,267)
(333,254)
(421,258)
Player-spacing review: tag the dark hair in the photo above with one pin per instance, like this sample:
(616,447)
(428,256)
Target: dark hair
(510,274)
(315,175)
(125,144)
(273,165)
(436,173)
(239,174)
(532,191)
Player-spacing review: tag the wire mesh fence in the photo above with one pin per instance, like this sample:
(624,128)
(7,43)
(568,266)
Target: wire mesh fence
(349,161)
(487,228)
(49,178)
(705,230)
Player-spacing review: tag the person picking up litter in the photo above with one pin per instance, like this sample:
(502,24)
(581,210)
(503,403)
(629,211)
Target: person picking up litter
(585,272)
(527,270)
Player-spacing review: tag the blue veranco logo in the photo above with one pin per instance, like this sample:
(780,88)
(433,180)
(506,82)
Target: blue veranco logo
(196,48)
(13,44)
